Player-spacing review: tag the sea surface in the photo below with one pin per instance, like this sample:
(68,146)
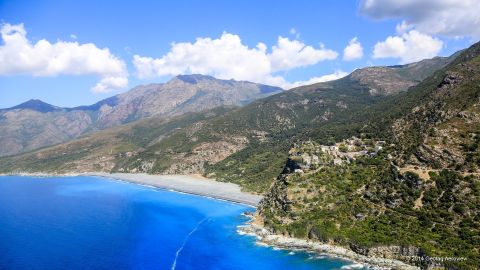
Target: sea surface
(96,223)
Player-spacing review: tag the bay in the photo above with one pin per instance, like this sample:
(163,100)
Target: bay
(94,223)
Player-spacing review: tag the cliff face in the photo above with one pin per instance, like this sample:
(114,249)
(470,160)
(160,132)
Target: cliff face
(396,252)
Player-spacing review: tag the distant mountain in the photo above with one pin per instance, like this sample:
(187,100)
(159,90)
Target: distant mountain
(36,124)
(182,94)
(35,105)
(394,79)
(247,145)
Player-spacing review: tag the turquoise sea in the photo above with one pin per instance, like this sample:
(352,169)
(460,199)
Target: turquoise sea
(96,223)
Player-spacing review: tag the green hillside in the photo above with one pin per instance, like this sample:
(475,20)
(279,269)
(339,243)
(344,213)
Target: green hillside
(416,195)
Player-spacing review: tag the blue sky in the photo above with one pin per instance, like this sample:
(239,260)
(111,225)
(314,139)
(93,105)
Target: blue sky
(66,72)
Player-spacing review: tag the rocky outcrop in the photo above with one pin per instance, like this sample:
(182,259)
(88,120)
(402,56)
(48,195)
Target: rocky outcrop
(283,218)
(205,153)
(276,201)
(389,252)
(264,236)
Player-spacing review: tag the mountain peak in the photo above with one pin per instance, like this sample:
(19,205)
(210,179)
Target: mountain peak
(390,80)
(194,78)
(36,105)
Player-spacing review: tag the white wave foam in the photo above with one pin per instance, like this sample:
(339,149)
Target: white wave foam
(353,266)
(174,265)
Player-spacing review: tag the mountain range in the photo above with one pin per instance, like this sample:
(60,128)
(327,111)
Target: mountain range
(35,124)
(249,144)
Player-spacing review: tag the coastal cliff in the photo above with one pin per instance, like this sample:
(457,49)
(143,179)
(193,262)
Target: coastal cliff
(360,202)
(404,186)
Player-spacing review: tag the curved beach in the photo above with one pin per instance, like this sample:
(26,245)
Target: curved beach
(191,184)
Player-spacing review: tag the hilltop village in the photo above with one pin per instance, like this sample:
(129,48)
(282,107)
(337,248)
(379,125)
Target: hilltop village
(311,156)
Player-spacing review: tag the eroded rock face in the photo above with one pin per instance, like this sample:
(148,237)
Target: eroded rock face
(276,199)
(211,153)
(276,203)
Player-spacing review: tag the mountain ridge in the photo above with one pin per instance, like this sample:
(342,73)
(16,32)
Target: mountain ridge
(250,135)
(34,104)
(35,124)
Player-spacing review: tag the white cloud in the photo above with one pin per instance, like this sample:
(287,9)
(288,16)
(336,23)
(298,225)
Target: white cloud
(451,18)
(403,27)
(353,51)
(325,78)
(106,84)
(227,57)
(408,47)
(289,54)
(20,56)
(224,58)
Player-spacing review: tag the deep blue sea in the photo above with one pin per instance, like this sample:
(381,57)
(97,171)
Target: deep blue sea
(95,223)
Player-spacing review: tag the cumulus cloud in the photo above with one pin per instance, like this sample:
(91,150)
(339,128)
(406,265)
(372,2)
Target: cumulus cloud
(408,47)
(325,78)
(227,57)
(106,84)
(289,54)
(353,51)
(18,55)
(453,18)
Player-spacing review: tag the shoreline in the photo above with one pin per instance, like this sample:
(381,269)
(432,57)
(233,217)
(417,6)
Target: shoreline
(188,184)
(209,188)
(266,238)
